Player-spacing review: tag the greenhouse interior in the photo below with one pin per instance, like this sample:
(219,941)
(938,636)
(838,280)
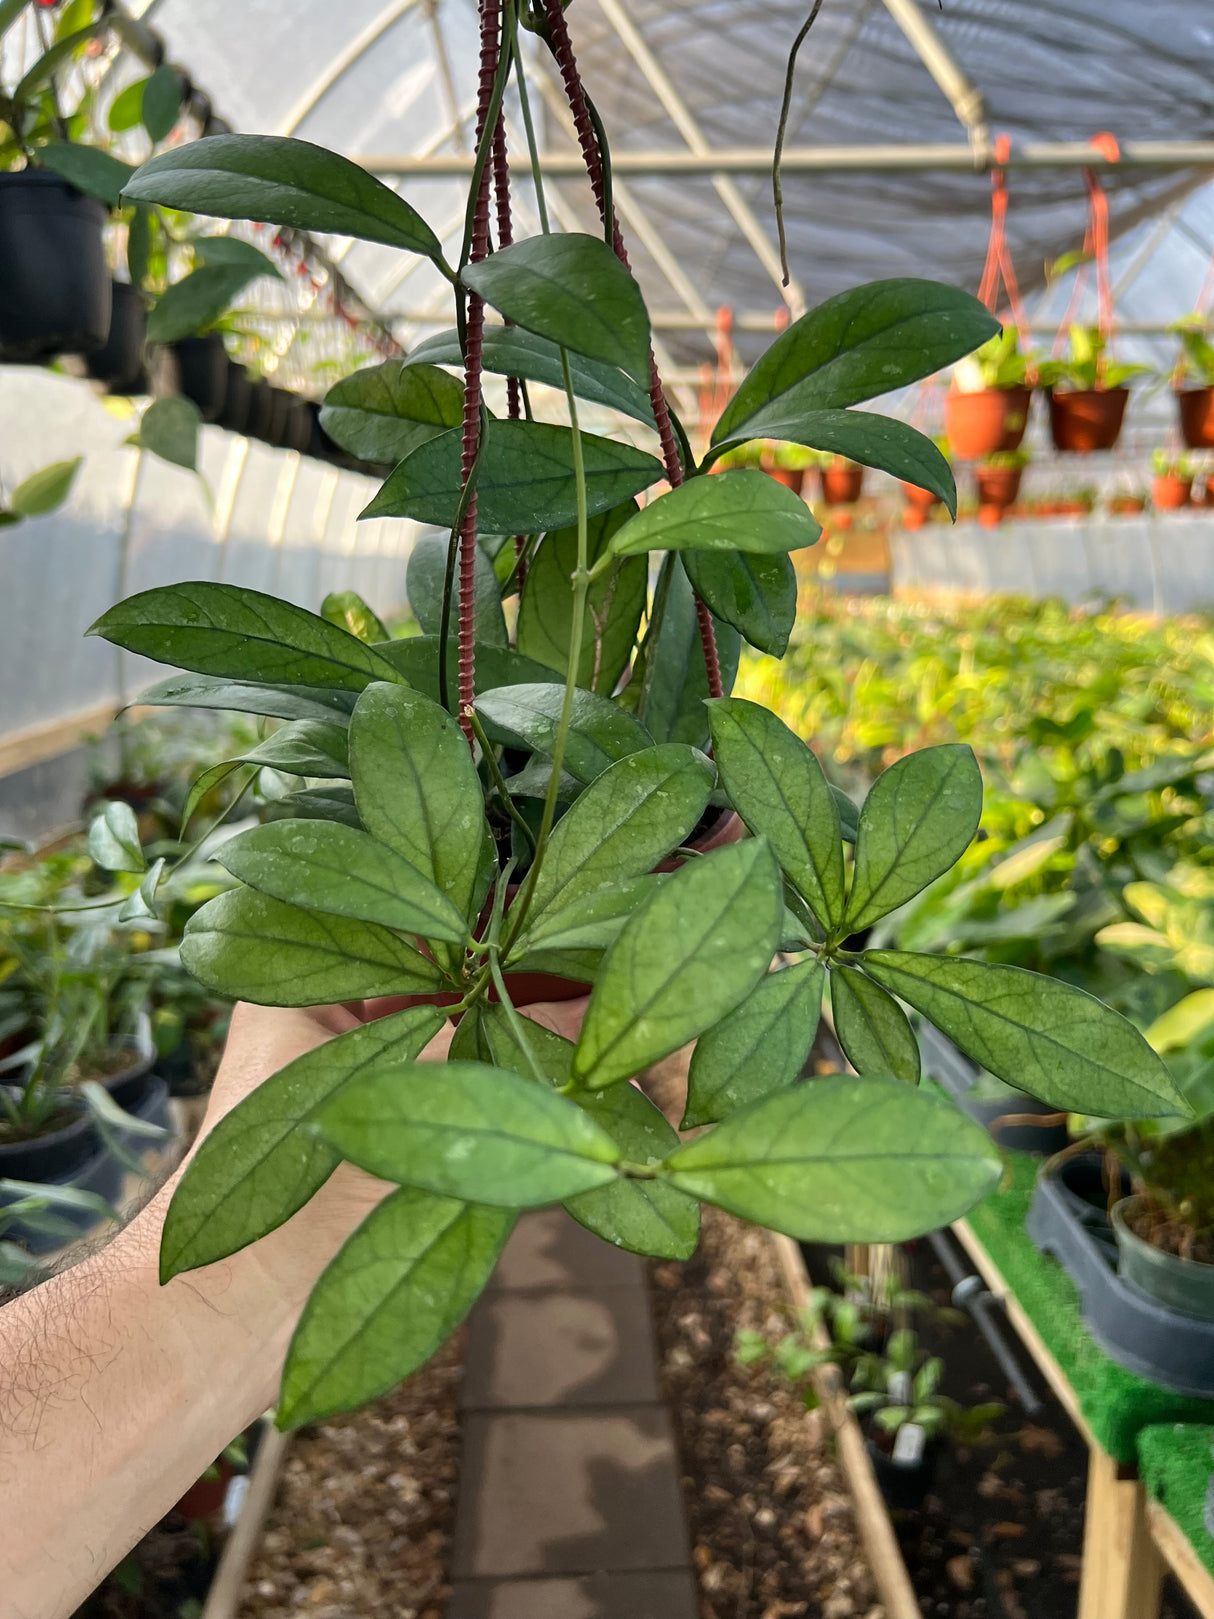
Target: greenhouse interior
(745,1148)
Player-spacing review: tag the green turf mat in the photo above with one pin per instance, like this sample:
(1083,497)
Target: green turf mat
(1115,1403)
(1176,1460)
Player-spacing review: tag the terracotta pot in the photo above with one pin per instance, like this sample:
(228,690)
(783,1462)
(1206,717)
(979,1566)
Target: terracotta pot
(1196,417)
(1169,492)
(922,499)
(1206,497)
(990,516)
(791,477)
(206,1496)
(841,485)
(1127,505)
(913,517)
(1088,419)
(980,423)
(997,486)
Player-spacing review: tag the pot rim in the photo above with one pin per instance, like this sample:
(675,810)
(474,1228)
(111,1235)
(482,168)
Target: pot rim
(1125,1233)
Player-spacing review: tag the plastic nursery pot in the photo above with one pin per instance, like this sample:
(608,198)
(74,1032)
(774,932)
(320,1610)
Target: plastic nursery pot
(1023,1135)
(1169,492)
(237,399)
(297,435)
(202,370)
(119,362)
(128,1083)
(280,413)
(320,446)
(1087,419)
(54,286)
(904,1484)
(261,410)
(1179,1284)
(978,424)
(1196,407)
(842,483)
(997,486)
(920,499)
(791,477)
(57,1153)
(1127,505)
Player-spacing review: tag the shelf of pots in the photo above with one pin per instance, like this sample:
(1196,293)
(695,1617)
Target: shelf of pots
(986,407)
(502,816)
(1088,393)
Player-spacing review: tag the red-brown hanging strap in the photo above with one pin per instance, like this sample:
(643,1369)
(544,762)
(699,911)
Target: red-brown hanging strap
(998,254)
(505,236)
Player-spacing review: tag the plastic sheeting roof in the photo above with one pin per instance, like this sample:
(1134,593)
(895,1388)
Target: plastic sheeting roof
(398,76)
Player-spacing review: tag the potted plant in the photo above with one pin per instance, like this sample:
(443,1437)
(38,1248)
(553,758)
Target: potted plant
(1193,381)
(842,480)
(474,806)
(986,408)
(1172,483)
(1127,503)
(997,478)
(788,464)
(1088,393)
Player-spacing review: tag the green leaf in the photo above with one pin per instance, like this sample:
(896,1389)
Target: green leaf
(302,748)
(613,606)
(643,1216)
(241,634)
(415,657)
(669,684)
(466,1129)
(861,343)
(160,106)
(592,922)
(754,592)
(735,511)
(126,109)
(1038,1034)
(872,1027)
(776,784)
(849,815)
(600,731)
(169,429)
(233,251)
(347,609)
(88,168)
(628,819)
(524,483)
(424,581)
(46,65)
(878,441)
(691,954)
(114,842)
(197,301)
(275,702)
(261,1163)
(393,1295)
(919,818)
(383,411)
(760,1047)
(282,182)
(327,803)
(843,1160)
(330,867)
(45,490)
(417,788)
(512,352)
(573,290)
(259,949)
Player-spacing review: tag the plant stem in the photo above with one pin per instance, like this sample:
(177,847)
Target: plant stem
(512,1017)
(494,769)
(778,155)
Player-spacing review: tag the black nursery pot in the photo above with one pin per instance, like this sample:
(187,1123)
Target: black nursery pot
(904,1484)
(298,432)
(280,416)
(261,410)
(320,446)
(54,1156)
(54,286)
(237,399)
(202,367)
(119,362)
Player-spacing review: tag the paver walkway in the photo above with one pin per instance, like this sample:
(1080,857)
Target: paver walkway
(569,1504)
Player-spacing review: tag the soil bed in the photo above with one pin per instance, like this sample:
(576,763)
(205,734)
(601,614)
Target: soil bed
(771,1521)
(361,1525)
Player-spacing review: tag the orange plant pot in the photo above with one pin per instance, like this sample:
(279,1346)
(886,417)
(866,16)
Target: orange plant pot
(997,486)
(841,486)
(978,424)
(922,499)
(1088,419)
(791,477)
(1196,406)
(1169,492)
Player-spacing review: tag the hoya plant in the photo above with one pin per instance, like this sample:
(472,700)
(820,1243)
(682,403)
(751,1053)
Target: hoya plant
(486,818)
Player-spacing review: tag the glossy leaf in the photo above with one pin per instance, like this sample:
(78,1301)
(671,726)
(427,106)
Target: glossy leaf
(592,921)
(760,1047)
(160,106)
(347,609)
(197,301)
(332,868)
(383,411)
(1039,1034)
(614,605)
(114,843)
(240,697)
(849,815)
(919,818)
(169,428)
(737,511)
(861,343)
(600,731)
(670,682)
(777,786)
(126,107)
(754,592)
(417,789)
(302,748)
(643,1216)
(465,1128)
(524,483)
(871,1027)
(573,290)
(512,352)
(628,819)
(241,635)
(259,949)
(424,580)
(843,1160)
(45,490)
(395,1292)
(261,1162)
(88,168)
(694,951)
(328,803)
(281,181)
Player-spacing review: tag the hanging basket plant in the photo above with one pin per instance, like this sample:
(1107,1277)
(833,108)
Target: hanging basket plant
(986,409)
(1193,382)
(1088,393)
